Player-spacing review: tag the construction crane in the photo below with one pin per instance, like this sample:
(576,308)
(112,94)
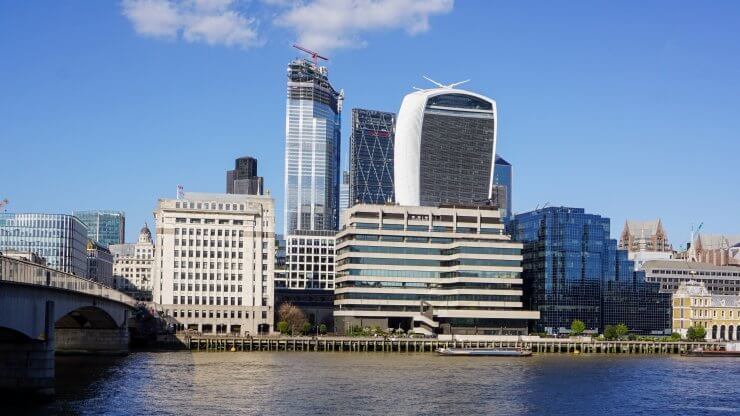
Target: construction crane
(3,204)
(314,55)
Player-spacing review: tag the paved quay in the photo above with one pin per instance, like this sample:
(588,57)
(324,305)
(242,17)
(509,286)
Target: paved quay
(207,343)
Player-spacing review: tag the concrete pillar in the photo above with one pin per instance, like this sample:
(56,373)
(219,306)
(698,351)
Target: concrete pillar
(92,341)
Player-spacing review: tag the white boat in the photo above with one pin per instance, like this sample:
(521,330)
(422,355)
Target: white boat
(495,352)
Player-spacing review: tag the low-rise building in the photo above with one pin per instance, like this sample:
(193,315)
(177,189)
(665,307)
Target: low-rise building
(99,263)
(645,241)
(447,270)
(694,304)
(133,266)
(716,249)
(720,280)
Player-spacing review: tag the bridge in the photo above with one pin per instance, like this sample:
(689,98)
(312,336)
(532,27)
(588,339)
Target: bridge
(44,311)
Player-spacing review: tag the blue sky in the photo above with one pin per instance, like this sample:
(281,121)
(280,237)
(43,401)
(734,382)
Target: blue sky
(629,110)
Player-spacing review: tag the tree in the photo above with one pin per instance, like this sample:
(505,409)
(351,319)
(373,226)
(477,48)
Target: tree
(675,336)
(293,316)
(306,328)
(577,327)
(610,332)
(283,327)
(322,329)
(696,333)
(621,330)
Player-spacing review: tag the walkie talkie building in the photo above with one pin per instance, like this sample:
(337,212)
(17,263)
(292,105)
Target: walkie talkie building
(445,147)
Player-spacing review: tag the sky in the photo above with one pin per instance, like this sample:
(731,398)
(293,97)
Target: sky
(626,109)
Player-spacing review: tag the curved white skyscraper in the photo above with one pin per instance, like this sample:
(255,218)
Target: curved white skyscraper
(445,147)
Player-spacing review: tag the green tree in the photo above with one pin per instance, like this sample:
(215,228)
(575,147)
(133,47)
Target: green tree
(322,328)
(696,333)
(610,332)
(675,336)
(621,330)
(577,327)
(306,328)
(283,327)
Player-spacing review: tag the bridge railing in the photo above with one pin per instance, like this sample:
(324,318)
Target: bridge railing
(21,271)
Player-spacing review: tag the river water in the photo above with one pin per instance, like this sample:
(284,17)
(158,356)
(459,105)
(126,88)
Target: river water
(326,383)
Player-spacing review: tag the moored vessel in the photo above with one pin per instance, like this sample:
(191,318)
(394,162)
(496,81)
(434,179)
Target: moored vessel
(491,352)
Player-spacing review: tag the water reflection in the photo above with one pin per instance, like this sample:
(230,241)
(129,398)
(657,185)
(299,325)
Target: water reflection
(261,383)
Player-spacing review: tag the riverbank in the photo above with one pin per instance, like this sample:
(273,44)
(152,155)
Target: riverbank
(208,343)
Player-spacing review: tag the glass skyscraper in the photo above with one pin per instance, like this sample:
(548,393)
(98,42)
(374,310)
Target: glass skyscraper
(502,180)
(572,269)
(243,179)
(105,227)
(60,239)
(371,157)
(312,148)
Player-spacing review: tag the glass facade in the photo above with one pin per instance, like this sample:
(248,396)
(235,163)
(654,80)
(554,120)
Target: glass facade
(243,179)
(105,227)
(502,175)
(60,239)
(572,270)
(312,149)
(456,151)
(371,157)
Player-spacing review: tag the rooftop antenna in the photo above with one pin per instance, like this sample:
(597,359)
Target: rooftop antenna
(314,55)
(448,86)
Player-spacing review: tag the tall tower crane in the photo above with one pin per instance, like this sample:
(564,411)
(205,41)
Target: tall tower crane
(314,55)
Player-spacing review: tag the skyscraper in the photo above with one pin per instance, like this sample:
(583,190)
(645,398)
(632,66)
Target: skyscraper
(371,157)
(502,175)
(243,179)
(573,270)
(344,193)
(444,147)
(105,227)
(312,148)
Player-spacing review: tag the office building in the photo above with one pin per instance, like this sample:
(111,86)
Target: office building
(105,227)
(716,249)
(444,148)
(371,157)
(670,274)
(99,263)
(429,270)
(572,270)
(309,260)
(503,186)
(133,266)
(59,238)
(243,179)
(214,262)
(344,194)
(312,149)
(693,305)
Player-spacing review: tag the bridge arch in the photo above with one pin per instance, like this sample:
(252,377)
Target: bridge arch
(86,317)
(12,336)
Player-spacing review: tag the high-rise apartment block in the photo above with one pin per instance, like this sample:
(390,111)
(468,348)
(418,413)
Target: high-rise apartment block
(214,262)
(444,150)
(105,227)
(312,149)
(447,270)
(371,157)
(243,179)
(133,266)
(59,238)
(572,270)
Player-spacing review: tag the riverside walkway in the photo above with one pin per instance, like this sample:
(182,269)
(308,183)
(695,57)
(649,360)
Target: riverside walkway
(354,344)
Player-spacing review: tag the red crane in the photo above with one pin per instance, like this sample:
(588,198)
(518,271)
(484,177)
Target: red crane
(314,54)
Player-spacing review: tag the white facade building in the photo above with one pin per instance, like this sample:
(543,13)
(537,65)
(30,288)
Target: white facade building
(309,260)
(214,262)
(445,147)
(133,264)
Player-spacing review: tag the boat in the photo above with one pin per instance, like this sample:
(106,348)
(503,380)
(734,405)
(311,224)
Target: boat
(701,352)
(494,352)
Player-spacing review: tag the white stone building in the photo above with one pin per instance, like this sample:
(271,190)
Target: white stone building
(214,262)
(132,266)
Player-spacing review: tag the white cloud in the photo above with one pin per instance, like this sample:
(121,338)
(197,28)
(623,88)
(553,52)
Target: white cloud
(332,24)
(210,21)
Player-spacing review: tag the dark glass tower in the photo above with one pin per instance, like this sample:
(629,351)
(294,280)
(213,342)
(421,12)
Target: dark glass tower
(371,157)
(572,270)
(502,175)
(243,179)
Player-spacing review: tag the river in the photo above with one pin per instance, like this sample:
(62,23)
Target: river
(318,383)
